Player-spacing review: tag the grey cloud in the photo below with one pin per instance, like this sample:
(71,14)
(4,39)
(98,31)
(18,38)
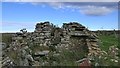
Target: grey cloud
(96,11)
(88,8)
(99,4)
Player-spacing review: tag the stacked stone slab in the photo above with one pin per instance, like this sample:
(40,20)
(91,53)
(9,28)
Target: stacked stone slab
(46,39)
(43,32)
(74,29)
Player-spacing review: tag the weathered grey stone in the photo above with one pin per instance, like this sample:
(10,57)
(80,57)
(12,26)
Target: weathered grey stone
(3,45)
(24,62)
(36,63)
(0,50)
(26,47)
(5,59)
(37,58)
(28,44)
(23,53)
(15,48)
(57,54)
(42,53)
(30,58)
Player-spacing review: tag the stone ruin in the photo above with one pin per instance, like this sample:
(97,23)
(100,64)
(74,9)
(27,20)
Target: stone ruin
(36,48)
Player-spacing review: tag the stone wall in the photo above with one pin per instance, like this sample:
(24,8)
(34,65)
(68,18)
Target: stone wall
(27,49)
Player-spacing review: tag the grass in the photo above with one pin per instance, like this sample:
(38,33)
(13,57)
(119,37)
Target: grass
(7,38)
(107,40)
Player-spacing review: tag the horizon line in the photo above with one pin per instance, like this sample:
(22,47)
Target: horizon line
(88,29)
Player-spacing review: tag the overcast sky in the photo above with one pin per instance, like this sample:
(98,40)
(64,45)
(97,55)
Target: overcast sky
(94,15)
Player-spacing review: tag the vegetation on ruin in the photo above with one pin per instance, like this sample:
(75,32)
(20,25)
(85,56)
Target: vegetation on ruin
(67,57)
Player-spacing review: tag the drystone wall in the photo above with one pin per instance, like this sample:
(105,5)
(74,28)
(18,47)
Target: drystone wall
(47,43)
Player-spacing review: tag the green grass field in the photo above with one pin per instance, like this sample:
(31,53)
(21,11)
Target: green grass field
(108,40)
(105,42)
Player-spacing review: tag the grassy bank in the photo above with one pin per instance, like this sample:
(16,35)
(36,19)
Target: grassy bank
(108,40)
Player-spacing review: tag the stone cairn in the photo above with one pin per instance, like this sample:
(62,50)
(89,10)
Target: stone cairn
(26,49)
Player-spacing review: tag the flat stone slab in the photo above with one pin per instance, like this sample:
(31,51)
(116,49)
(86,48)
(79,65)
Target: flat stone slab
(0,64)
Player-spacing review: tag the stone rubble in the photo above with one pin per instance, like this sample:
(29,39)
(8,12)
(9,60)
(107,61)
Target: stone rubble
(113,52)
(28,49)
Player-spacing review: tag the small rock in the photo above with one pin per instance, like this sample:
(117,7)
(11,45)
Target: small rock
(29,57)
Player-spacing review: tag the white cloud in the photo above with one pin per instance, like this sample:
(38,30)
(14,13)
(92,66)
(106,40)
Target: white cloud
(96,11)
(57,5)
(91,9)
(88,7)
(60,0)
